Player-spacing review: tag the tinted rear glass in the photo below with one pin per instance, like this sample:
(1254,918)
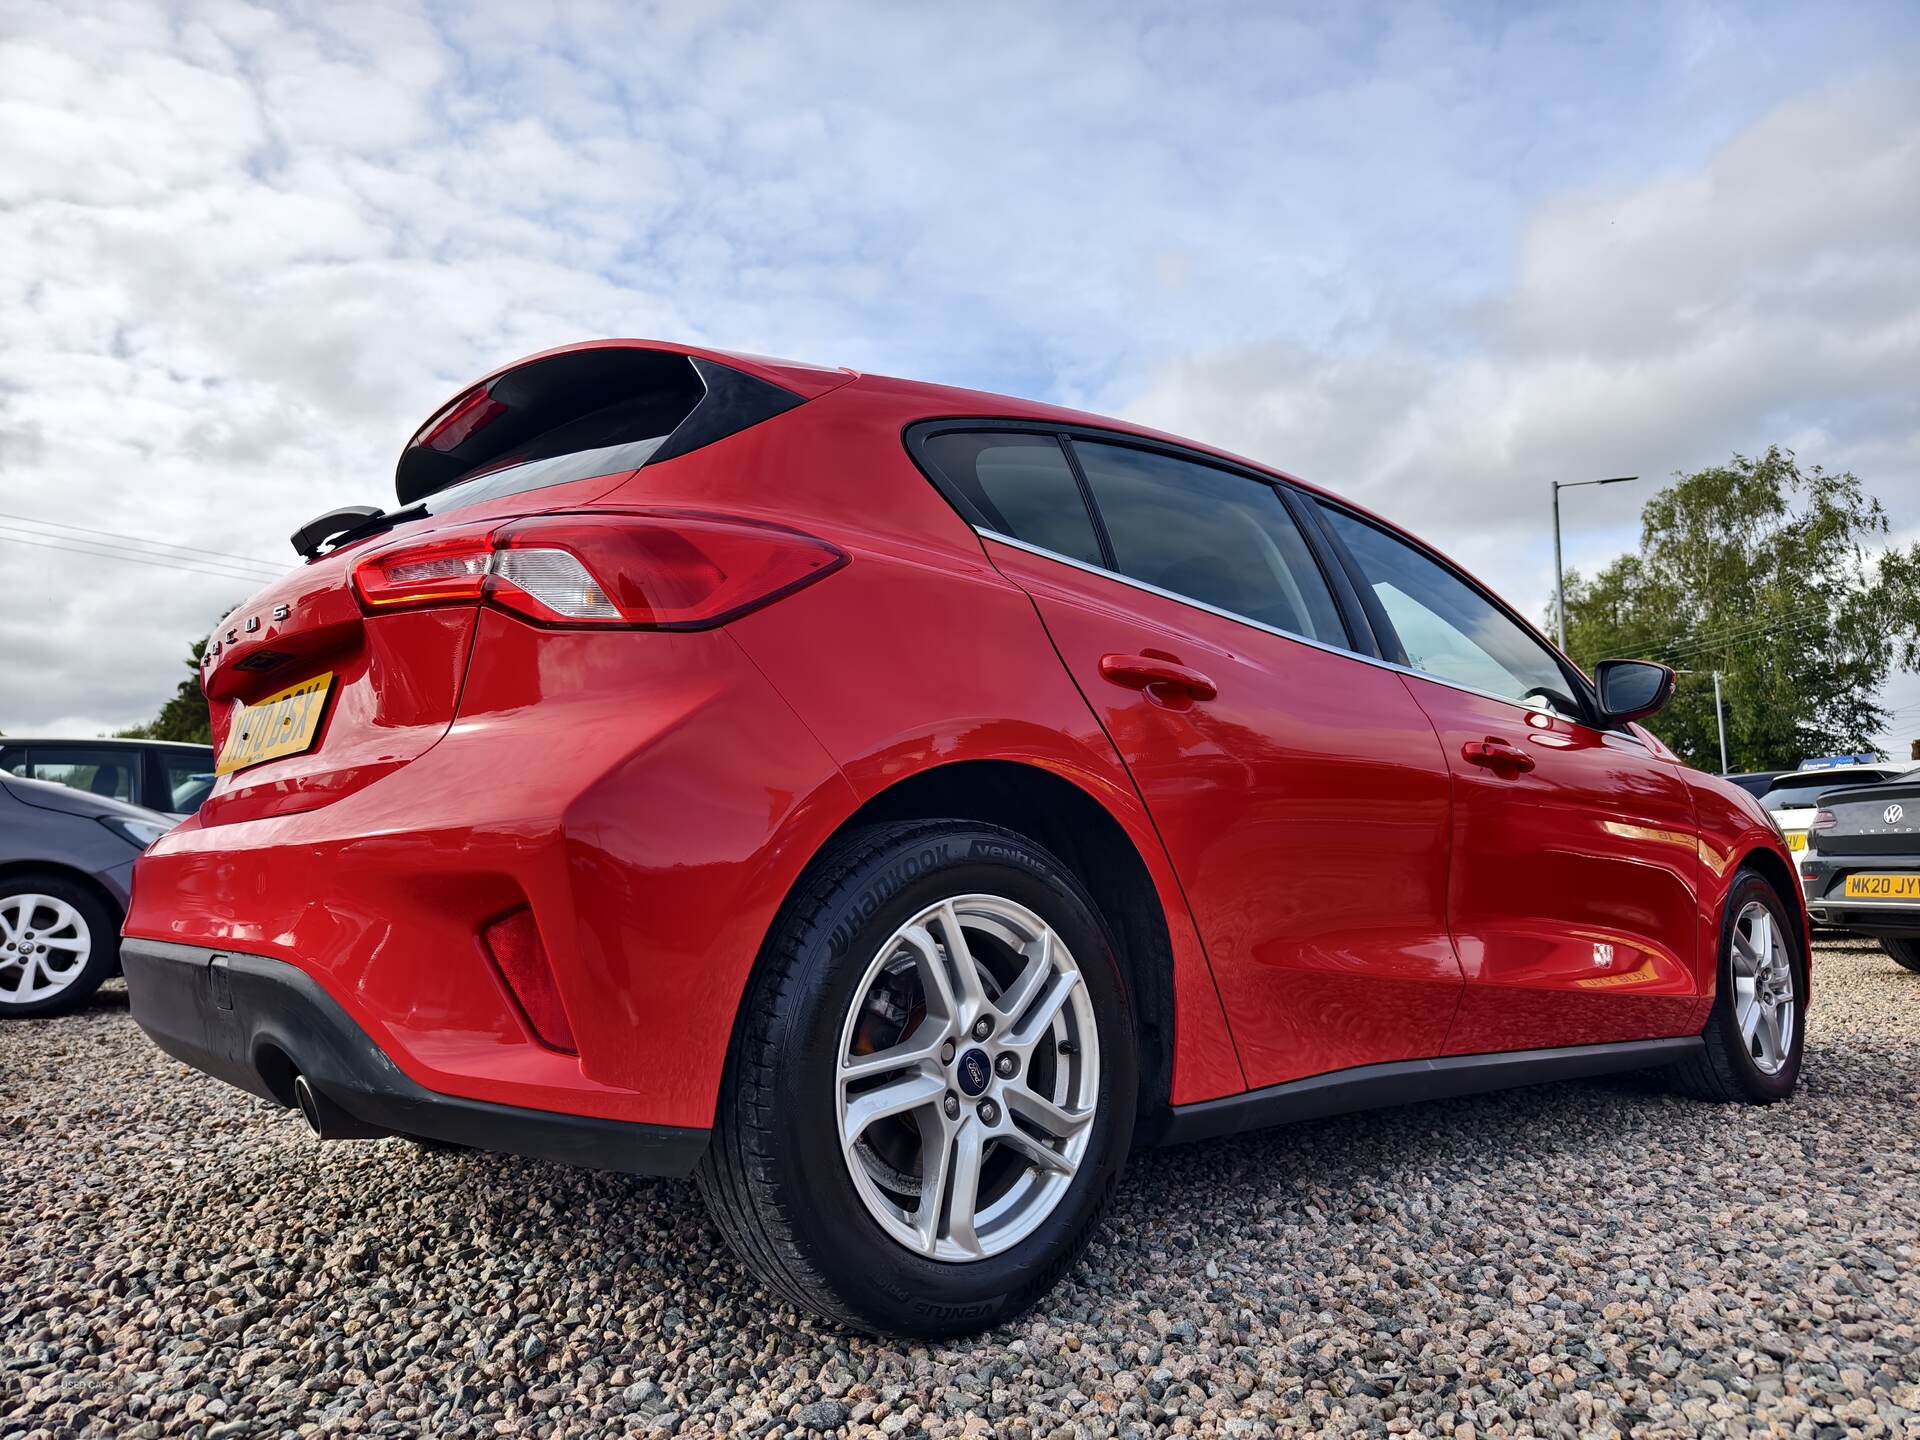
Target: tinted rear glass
(538,474)
(1019,485)
(188,777)
(568,417)
(1211,536)
(1803,793)
(111,772)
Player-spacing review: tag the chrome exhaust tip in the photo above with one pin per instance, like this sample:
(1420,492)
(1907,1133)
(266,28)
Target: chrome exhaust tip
(327,1120)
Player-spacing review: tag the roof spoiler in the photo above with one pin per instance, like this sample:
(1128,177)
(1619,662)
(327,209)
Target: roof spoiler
(601,393)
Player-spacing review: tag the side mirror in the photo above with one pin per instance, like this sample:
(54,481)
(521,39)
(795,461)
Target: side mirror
(1631,689)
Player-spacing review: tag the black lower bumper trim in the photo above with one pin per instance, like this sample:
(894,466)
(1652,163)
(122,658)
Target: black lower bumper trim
(254,1022)
(1403,1082)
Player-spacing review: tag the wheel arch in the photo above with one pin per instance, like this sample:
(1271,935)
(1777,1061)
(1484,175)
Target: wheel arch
(12,868)
(1760,859)
(1088,839)
(1768,865)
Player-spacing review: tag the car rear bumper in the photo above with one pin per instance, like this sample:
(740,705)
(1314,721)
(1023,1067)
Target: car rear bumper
(256,1023)
(1824,877)
(650,807)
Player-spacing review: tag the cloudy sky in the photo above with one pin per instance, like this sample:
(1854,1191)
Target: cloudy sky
(1432,256)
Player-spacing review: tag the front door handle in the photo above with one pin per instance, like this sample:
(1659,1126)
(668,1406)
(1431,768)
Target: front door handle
(1496,754)
(1144,672)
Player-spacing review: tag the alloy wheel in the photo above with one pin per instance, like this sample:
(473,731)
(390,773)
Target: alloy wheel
(1763,997)
(44,945)
(968,1078)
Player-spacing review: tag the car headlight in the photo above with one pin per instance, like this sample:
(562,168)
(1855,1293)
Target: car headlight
(137,833)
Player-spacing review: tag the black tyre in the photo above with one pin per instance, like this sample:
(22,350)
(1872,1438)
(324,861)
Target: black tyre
(1756,1031)
(931,1088)
(1905,953)
(58,940)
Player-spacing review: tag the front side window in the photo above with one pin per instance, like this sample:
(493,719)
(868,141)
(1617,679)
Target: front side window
(1018,485)
(98,772)
(1211,536)
(1447,628)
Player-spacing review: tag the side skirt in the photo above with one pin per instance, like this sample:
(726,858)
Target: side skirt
(1406,1082)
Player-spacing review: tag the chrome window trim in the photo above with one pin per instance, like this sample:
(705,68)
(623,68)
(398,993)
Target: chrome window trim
(1252,624)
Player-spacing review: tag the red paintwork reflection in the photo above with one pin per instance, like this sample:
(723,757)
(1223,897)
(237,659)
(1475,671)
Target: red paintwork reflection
(1305,809)
(1574,884)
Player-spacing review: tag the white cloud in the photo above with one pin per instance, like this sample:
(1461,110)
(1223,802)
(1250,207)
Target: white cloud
(1422,254)
(1770,294)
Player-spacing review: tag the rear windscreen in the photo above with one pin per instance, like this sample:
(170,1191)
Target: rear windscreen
(1804,793)
(568,417)
(537,474)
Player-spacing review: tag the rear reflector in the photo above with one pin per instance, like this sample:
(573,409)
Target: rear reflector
(620,570)
(514,943)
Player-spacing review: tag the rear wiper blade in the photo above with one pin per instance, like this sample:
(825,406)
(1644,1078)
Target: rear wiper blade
(349,522)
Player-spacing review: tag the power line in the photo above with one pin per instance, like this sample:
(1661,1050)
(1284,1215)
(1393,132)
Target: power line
(1695,643)
(128,552)
(1740,635)
(1692,645)
(181,564)
(147,543)
(1699,636)
(1706,638)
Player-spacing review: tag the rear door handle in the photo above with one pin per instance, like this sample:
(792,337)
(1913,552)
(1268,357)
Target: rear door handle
(1142,672)
(1496,754)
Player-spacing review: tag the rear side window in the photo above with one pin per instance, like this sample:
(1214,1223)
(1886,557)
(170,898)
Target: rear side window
(188,778)
(1449,629)
(1210,536)
(1019,485)
(98,772)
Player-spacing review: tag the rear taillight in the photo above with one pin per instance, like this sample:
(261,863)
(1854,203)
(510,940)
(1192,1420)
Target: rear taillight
(1823,820)
(514,943)
(660,571)
(448,569)
(655,572)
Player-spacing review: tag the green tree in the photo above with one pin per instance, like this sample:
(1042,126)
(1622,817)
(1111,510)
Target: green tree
(1773,576)
(184,716)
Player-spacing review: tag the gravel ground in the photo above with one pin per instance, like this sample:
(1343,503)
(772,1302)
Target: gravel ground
(179,1259)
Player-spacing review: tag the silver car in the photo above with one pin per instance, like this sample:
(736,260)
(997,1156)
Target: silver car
(65,860)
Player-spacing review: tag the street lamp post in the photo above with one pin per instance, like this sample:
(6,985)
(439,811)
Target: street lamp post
(1720,719)
(1719,714)
(1559,578)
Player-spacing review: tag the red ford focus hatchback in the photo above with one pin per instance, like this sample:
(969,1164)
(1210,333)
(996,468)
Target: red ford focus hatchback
(891,803)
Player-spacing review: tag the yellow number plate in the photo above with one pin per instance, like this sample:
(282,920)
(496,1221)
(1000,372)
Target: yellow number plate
(1796,839)
(279,725)
(1883,887)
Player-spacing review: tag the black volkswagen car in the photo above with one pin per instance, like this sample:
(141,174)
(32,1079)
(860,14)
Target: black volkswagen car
(1862,865)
